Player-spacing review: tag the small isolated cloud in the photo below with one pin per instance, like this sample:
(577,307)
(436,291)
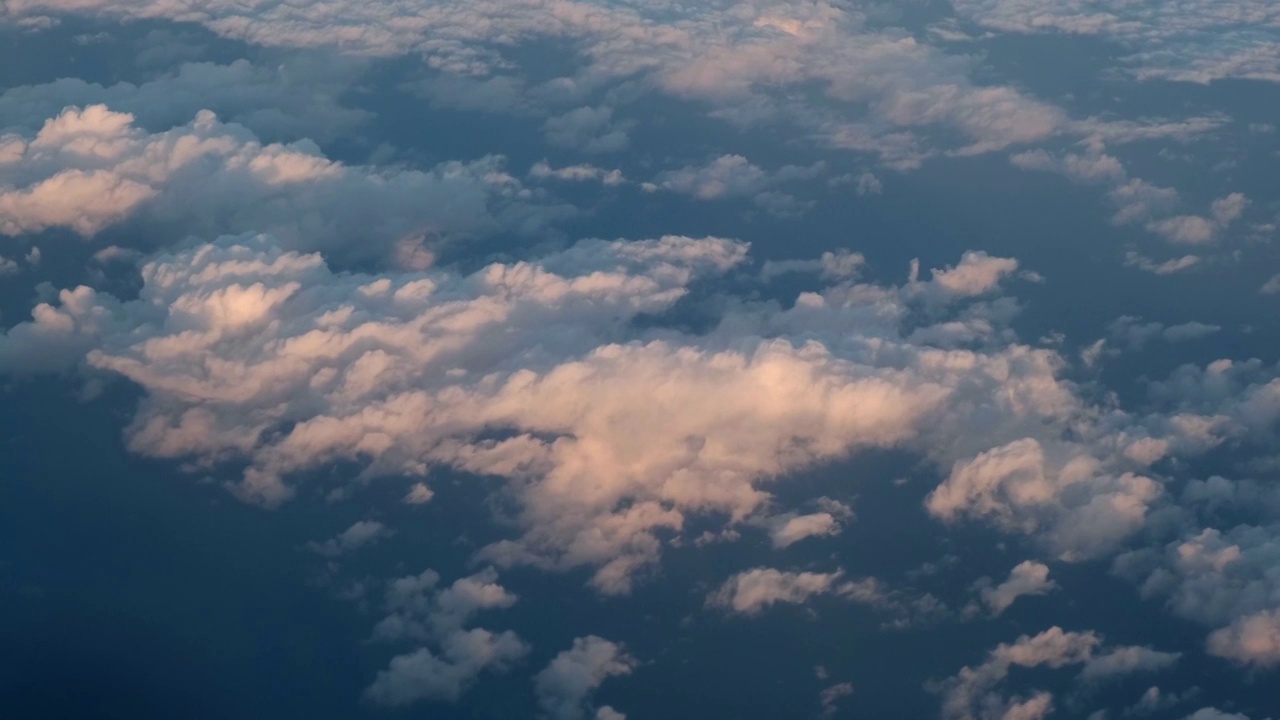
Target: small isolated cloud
(1167,267)
(750,592)
(1026,578)
(564,688)
(790,528)
(360,534)
(830,697)
(419,494)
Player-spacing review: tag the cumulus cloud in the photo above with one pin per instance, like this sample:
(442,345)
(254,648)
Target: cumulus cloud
(421,612)
(91,168)
(1026,578)
(1138,201)
(790,528)
(290,99)
(360,534)
(611,435)
(748,61)
(1188,41)
(424,675)
(565,686)
(752,591)
(733,176)
(975,692)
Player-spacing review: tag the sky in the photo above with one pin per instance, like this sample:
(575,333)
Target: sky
(602,359)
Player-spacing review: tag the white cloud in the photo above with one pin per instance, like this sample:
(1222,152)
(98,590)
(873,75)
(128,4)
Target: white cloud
(1187,41)
(975,692)
(755,590)
(284,101)
(790,528)
(565,686)
(577,173)
(421,612)
(1026,578)
(360,534)
(91,168)
(424,675)
(617,434)
(751,62)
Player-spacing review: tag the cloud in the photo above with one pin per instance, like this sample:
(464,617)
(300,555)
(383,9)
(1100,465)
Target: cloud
(577,173)
(974,693)
(832,265)
(1188,42)
(421,612)
(360,534)
(586,129)
(1081,509)
(750,63)
(565,686)
(1211,713)
(750,592)
(1168,267)
(1139,201)
(91,168)
(830,697)
(1026,578)
(733,176)
(287,100)
(419,494)
(611,434)
(423,675)
(790,528)
(1131,333)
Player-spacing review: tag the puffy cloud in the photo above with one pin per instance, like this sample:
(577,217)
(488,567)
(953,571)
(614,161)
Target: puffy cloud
(419,610)
(974,692)
(733,176)
(586,129)
(90,168)
(422,612)
(565,686)
(1185,41)
(1026,578)
(790,528)
(1133,334)
(748,60)
(1081,509)
(419,494)
(610,434)
(1139,201)
(1220,579)
(360,534)
(423,675)
(290,99)
(752,591)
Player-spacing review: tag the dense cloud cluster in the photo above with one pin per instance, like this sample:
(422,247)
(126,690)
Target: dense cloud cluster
(283,292)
